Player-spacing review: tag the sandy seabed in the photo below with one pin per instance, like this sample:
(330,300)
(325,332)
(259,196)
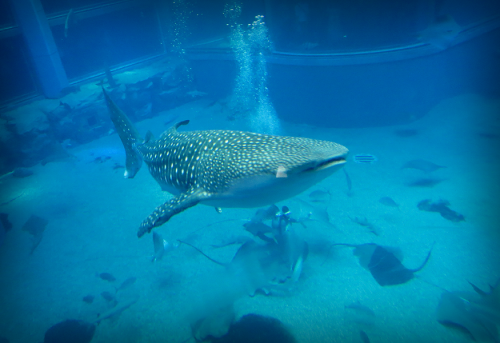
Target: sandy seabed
(94,213)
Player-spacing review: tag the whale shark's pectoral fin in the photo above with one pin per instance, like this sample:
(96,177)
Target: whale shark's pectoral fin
(164,212)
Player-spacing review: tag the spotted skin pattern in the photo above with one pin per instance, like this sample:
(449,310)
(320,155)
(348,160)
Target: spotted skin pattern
(224,168)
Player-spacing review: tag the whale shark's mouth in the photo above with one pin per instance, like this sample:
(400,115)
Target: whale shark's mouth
(335,161)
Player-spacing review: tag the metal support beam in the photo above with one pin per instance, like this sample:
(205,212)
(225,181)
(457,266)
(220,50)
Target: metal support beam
(36,30)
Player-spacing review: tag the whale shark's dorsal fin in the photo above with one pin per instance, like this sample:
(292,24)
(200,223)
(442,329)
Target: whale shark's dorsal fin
(149,137)
(179,124)
(173,129)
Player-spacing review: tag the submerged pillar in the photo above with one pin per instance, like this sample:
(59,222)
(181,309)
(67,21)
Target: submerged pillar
(36,30)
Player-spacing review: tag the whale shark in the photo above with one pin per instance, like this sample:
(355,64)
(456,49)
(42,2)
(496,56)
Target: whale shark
(223,168)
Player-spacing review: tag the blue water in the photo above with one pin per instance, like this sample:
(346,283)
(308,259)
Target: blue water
(93,212)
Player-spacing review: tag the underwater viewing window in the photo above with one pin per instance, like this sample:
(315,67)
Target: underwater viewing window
(89,43)
(56,6)
(15,69)
(322,26)
(88,37)
(94,36)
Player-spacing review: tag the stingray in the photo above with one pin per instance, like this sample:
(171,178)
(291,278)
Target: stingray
(260,230)
(35,226)
(279,222)
(465,311)
(423,165)
(307,212)
(268,266)
(74,331)
(256,328)
(79,331)
(492,296)
(240,239)
(427,182)
(384,263)
(161,247)
(489,302)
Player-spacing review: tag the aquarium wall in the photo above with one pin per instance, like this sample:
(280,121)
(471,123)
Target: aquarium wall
(328,63)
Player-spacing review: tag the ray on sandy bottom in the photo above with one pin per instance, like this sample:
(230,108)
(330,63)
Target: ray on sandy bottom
(384,264)
(474,314)
(422,165)
(35,226)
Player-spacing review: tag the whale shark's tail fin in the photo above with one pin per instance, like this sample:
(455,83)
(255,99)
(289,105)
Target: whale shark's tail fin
(129,136)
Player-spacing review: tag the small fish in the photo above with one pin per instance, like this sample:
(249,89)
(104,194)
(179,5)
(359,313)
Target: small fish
(101,159)
(117,166)
(116,311)
(363,221)
(387,201)
(364,336)
(161,247)
(126,284)
(107,277)
(108,296)
(89,299)
(348,181)
(423,165)
(360,313)
(425,182)
(357,306)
